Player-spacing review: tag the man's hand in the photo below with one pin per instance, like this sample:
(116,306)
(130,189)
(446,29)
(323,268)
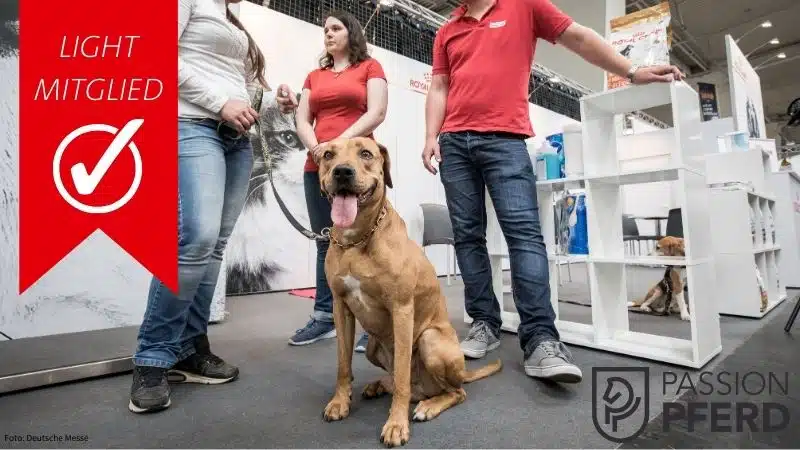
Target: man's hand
(239,114)
(287,100)
(431,150)
(657,74)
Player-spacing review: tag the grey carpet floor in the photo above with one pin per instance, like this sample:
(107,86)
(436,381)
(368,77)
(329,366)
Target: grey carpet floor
(278,400)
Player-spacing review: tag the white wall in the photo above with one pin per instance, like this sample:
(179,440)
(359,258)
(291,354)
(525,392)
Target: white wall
(595,14)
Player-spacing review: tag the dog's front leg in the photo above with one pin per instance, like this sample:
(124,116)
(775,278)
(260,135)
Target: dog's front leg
(396,430)
(681,301)
(339,406)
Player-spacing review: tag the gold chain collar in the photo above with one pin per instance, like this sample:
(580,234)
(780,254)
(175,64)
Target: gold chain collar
(327,232)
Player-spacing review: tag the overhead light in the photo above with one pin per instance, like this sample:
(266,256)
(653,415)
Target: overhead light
(555,80)
(775,41)
(781,55)
(766,24)
(386,3)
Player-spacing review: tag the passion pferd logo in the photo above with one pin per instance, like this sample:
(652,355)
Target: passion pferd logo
(620,402)
(98,132)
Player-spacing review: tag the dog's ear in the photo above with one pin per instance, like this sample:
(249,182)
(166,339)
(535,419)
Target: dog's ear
(387,165)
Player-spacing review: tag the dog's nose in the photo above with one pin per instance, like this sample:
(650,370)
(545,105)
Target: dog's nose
(344,173)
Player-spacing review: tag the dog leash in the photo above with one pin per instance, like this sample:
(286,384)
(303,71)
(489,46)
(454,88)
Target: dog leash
(325,236)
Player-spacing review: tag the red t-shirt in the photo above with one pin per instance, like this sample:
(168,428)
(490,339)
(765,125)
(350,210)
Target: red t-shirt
(489,63)
(337,100)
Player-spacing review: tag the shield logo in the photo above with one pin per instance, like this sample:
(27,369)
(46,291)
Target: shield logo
(620,401)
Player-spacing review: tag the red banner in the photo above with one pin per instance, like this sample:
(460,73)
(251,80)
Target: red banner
(98,132)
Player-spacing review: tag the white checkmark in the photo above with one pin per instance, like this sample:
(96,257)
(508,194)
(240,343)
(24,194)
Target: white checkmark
(86,183)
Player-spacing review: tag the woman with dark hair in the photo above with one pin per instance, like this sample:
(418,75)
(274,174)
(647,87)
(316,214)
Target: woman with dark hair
(219,65)
(346,97)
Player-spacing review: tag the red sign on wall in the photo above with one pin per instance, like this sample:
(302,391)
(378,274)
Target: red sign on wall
(98,132)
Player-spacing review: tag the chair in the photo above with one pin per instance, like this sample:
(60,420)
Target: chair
(630,234)
(438,230)
(674,223)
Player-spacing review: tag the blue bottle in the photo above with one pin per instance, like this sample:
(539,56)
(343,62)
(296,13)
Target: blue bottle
(579,234)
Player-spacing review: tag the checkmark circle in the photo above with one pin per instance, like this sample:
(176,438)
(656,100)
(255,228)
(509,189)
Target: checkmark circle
(91,209)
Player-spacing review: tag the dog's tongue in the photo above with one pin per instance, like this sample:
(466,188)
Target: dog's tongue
(344,210)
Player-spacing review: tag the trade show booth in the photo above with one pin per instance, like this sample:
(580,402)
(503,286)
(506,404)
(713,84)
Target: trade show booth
(612,182)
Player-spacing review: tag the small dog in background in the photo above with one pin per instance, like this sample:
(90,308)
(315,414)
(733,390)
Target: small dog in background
(667,295)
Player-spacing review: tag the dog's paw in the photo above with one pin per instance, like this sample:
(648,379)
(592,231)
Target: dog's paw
(425,410)
(395,433)
(337,409)
(685,316)
(645,308)
(373,390)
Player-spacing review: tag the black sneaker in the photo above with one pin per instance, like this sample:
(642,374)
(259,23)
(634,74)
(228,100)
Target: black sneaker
(203,367)
(150,390)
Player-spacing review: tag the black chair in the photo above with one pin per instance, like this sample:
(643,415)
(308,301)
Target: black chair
(675,223)
(630,234)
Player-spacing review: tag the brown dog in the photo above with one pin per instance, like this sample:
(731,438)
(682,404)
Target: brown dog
(381,278)
(668,292)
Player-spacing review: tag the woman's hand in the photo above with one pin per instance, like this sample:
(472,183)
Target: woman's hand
(318,151)
(287,100)
(239,114)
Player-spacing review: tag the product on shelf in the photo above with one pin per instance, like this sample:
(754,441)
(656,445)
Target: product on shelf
(556,141)
(579,233)
(548,164)
(643,37)
(753,225)
(763,290)
(771,226)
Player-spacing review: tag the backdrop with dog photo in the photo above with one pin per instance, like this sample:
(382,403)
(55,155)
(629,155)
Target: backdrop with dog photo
(745,85)
(99,286)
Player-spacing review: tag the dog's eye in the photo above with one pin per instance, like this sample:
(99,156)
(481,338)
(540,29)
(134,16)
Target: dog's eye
(366,154)
(328,155)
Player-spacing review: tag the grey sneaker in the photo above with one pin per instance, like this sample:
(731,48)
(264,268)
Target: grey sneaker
(479,341)
(361,345)
(553,361)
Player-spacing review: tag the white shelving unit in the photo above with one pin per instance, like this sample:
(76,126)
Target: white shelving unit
(740,248)
(607,260)
(786,186)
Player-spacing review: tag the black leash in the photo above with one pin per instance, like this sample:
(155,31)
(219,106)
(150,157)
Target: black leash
(267,159)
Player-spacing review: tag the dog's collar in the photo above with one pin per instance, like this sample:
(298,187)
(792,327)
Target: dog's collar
(327,232)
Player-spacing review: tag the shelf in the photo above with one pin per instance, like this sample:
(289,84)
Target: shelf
(560,184)
(650,261)
(771,248)
(607,264)
(628,99)
(641,176)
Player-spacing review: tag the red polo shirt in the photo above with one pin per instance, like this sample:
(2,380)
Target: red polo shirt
(338,100)
(489,63)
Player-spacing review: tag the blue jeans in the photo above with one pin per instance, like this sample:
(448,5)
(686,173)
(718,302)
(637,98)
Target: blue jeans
(319,214)
(472,162)
(213,176)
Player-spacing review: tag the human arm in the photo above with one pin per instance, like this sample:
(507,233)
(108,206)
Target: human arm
(436,104)
(590,46)
(304,121)
(377,99)
(191,86)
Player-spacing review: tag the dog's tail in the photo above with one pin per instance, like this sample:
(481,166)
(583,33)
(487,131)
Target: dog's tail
(483,372)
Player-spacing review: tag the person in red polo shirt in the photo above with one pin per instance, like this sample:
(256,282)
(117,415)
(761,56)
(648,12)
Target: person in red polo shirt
(477,120)
(345,97)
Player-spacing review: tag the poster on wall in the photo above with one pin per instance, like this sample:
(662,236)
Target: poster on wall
(709,106)
(745,85)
